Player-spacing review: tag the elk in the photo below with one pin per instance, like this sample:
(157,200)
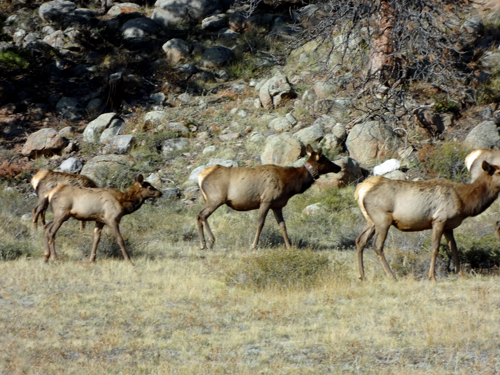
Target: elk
(45,180)
(474,160)
(265,187)
(438,204)
(105,206)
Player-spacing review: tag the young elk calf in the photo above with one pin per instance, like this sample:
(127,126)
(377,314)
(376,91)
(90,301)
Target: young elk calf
(265,187)
(45,180)
(439,204)
(105,206)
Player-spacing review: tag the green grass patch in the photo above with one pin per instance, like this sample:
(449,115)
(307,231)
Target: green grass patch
(12,60)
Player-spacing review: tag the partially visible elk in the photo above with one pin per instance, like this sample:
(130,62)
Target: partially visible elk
(265,187)
(105,206)
(474,160)
(45,180)
(439,204)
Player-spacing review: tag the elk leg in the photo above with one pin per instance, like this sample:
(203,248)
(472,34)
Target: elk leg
(202,221)
(448,234)
(46,254)
(116,232)
(39,210)
(82,226)
(437,232)
(263,210)
(361,242)
(97,238)
(278,214)
(50,234)
(378,246)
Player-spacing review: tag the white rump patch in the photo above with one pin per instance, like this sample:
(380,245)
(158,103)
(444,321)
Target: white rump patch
(471,158)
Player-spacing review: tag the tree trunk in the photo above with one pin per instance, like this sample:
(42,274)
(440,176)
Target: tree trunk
(381,55)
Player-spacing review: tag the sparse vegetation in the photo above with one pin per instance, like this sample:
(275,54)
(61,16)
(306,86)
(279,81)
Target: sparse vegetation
(445,160)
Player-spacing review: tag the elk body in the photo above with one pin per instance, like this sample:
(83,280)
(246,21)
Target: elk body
(439,204)
(105,206)
(474,161)
(267,187)
(45,180)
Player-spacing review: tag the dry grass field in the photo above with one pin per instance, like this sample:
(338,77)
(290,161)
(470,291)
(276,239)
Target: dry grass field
(183,311)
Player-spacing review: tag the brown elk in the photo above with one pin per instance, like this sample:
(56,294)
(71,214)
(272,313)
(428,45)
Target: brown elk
(439,204)
(474,160)
(105,206)
(45,180)
(265,187)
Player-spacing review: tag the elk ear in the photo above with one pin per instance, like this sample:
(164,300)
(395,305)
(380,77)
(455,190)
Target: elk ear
(319,154)
(490,169)
(139,178)
(309,150)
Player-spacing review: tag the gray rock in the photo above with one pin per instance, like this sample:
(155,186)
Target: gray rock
(175,144)
(310,134)
(331,142)
(55,10)
(193,176)
(70,109)
(43,142)
(282,150)
(396,175)
(275,90)
(215,57)
(158,97)
(483,136)
(491,60)
(156,117)
(340,132)
(372,140)
(95,128)
(313,208)
(68,132)
(217,21)
(108,170)
(122,8)
(120,144)
(280,124)
(324,90)
(176,50)
(71,165)
(115,127)
(141,27)
(209,149)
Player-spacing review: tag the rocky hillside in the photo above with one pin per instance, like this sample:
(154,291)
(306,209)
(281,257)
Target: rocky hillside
(169,89)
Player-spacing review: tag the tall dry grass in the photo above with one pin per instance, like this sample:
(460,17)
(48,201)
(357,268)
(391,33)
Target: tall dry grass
(175,311)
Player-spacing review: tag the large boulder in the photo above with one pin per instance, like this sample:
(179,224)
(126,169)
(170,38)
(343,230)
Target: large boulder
(310,134)
(118,9)
(43,142)
(176,49)
(171,13)
(275,91)
(55,10)
(485,135)
(215,57)
(109,170)
(95,128)
(71,165)
(372,140)
(282,150)
(140,28)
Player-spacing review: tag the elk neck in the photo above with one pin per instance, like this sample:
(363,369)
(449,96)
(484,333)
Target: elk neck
(478,196)
(314,173)
(132,200)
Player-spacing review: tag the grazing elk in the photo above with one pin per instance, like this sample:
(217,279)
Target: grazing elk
(439,204)
(474,160)
(105,206)
(265,187)
(45,180)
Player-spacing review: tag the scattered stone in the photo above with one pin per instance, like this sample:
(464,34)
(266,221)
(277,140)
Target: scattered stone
(280,124)
(229,136)
(70,109)
(310,134)
(71,165)
(55,10)
(209,149)
(386,167)
(275,91)
(351,173)
(140,28)
(215,57)
(176,50)
(95,128)
(175,144)
(106,170)
(115,127)
(123,8)
(68,132)
(282,150)
(485,136)
(120,144)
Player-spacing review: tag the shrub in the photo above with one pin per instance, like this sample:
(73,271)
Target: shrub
(279,268)
(11,60)
(445,160)
(15,250)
